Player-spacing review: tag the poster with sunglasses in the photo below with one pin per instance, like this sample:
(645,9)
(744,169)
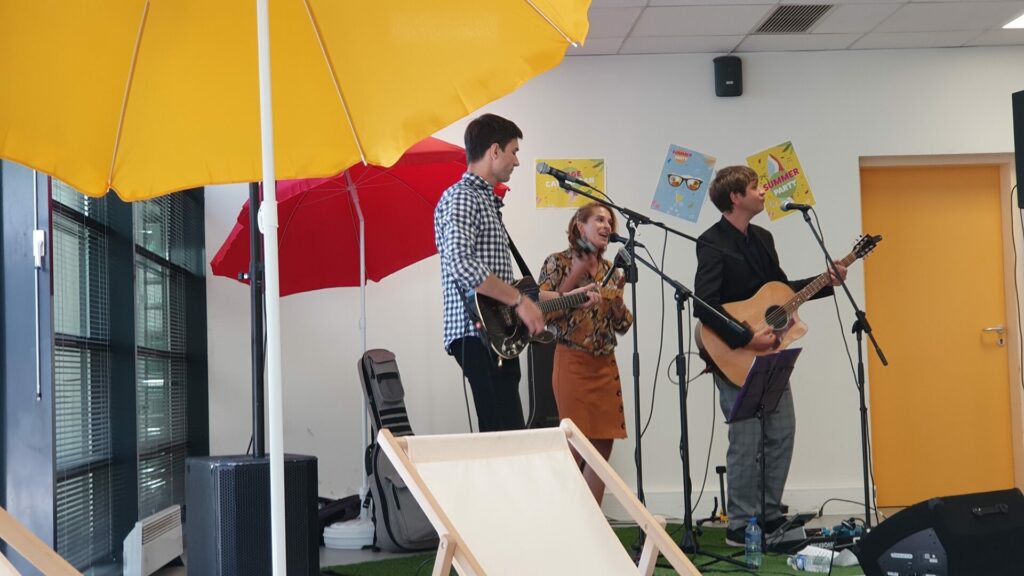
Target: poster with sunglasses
(684,182)
(550,195)
(780,175)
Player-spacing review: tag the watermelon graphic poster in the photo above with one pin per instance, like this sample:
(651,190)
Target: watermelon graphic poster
(683,184)
(780,175)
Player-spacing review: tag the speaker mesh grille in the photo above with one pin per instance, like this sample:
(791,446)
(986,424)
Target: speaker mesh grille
(793,19)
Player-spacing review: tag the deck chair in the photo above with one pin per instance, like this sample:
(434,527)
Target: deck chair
(31,548)
(514,503)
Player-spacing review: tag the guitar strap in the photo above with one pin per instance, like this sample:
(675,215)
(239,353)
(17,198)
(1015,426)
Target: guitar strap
(530,286)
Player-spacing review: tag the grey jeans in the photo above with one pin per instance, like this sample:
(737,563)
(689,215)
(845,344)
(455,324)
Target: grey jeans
(743,467)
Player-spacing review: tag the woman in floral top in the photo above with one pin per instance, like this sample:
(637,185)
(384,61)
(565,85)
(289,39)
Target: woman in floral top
(585,379)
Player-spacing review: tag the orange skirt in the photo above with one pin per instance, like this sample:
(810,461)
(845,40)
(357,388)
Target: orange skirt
(587,391)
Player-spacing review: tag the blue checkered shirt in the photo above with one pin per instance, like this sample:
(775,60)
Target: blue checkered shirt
(472,244)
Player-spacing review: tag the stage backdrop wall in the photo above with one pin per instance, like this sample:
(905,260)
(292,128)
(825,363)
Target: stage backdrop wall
(836,107)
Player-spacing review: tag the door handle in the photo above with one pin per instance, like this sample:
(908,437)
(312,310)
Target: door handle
(1000,330)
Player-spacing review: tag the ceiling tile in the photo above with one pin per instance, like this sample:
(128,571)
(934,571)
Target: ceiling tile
(612,22)
(854,18)
(699,20)
(795,42)
(679,44)
(998,38)
(950,16)
(595,46)
(914,40)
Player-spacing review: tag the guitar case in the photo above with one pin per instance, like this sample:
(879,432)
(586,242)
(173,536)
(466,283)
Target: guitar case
(540,360)
(399,522)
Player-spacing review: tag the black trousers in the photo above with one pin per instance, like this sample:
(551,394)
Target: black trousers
(495,388)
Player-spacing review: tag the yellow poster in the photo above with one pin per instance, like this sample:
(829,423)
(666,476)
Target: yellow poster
(551,195)
(780,175)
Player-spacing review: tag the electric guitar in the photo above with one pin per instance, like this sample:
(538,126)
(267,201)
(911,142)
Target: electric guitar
(501,327)
(775,305)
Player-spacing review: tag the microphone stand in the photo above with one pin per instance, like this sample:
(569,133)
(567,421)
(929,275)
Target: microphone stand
(634,218)
(860,326)
(689,542)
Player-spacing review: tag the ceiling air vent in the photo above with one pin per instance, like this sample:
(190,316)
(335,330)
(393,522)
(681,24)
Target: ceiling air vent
(793,18)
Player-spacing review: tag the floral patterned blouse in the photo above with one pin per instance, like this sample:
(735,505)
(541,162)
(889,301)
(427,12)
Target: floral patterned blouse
(592,329)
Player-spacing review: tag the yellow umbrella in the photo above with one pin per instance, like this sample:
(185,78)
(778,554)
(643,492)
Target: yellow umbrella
(148,97)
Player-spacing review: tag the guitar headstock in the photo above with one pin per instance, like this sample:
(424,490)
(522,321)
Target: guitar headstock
(865,244)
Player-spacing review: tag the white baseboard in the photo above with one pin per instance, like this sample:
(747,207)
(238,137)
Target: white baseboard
(669,503)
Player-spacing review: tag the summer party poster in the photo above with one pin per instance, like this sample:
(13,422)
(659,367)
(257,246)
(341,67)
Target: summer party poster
(780,175)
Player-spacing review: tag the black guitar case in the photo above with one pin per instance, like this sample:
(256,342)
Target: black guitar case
(399,522)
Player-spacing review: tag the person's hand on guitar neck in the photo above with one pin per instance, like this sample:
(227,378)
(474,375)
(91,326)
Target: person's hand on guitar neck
(593,296)
(837,280)
(763,340)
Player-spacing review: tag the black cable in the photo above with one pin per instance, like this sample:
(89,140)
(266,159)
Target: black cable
(465,392)
(661,339)
(424,563)
(1016,288)
(821,510)
(856,382)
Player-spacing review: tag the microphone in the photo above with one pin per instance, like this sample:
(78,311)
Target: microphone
(788,205)
(613,237)
(543,168)
(622,260)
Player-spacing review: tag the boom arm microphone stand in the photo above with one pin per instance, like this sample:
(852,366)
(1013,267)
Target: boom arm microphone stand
(860,326)
(689,542)
(682,293)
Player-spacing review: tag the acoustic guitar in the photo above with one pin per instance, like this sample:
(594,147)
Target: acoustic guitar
(775,305)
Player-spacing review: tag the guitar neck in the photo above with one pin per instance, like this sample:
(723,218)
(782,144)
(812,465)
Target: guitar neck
(815,286)
(562,303)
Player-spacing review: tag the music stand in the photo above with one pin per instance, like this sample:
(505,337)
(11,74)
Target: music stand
(766,381)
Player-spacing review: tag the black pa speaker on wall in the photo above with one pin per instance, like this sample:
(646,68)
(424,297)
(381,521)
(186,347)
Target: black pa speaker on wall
(227,525)
(728,76)
(1018,142)
(968,534)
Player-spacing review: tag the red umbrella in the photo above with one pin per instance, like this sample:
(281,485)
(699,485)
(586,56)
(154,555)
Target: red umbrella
(318,236)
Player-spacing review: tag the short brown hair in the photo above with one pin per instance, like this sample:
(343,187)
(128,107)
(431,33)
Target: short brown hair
(728,180)
(582,215)
(488,129)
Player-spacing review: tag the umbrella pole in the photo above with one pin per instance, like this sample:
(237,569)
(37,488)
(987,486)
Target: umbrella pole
(268,213)
(364,488)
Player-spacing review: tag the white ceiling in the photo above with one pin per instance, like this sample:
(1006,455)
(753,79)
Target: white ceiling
(685,26)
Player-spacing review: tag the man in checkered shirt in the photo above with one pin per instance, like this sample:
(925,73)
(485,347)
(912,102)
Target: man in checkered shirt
(475,255)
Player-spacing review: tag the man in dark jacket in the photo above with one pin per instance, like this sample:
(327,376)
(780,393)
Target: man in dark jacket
(720,280)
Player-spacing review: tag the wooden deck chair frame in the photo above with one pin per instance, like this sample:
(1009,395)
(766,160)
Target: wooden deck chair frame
(452,550)
(31,548)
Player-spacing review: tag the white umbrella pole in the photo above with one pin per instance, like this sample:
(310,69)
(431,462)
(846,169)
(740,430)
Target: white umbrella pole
(364,488)
(268,218)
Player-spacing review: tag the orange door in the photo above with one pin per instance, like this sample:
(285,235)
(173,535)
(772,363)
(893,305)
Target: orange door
(940,412)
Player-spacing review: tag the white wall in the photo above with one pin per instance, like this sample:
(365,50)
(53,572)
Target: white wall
(834,106)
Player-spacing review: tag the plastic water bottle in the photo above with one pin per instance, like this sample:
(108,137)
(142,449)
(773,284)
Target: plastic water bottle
(809,563)
(752,544)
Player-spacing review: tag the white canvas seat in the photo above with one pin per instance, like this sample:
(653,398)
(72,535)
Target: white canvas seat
(31,548)
(515,503)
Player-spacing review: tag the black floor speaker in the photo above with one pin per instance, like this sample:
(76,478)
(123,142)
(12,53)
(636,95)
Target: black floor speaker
(952,536)
(227,522)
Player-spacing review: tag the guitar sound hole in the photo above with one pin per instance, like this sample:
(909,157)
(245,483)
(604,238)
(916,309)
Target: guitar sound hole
(776,317)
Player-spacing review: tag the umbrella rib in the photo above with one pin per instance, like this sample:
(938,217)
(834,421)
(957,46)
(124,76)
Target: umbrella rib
(127,93)
(552,23)
(334,79)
